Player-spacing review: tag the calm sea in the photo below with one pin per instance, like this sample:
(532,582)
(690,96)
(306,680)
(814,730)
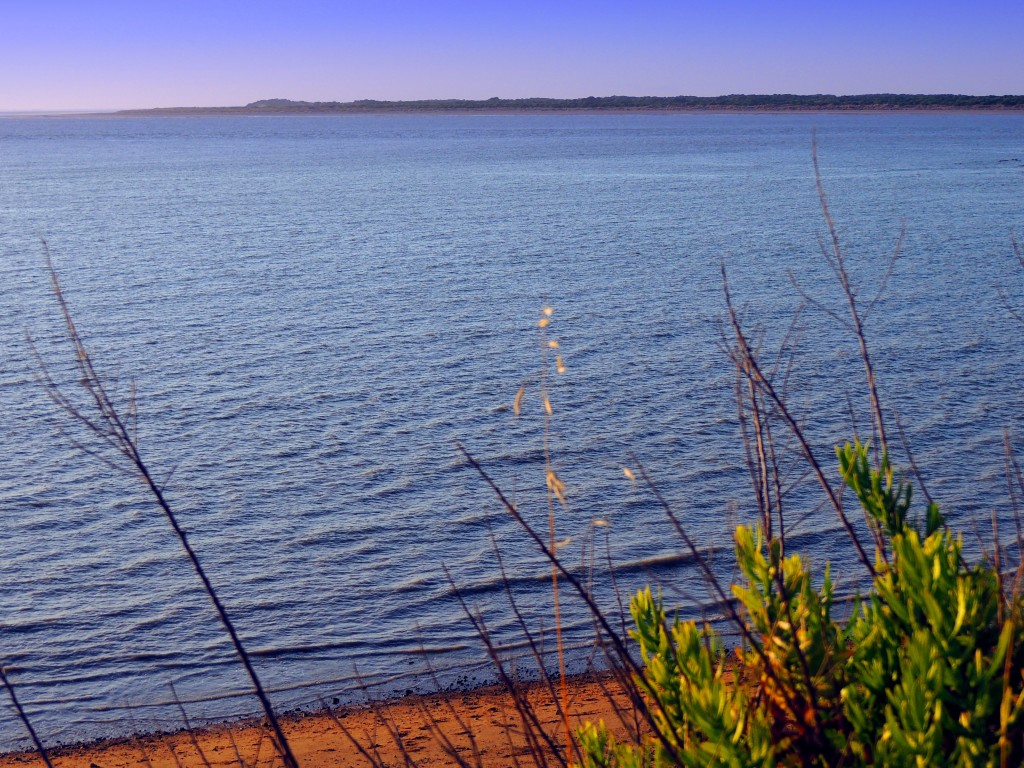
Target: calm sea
(315,309)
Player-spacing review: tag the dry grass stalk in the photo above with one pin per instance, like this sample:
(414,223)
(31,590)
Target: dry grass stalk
(23,716)
(116,432)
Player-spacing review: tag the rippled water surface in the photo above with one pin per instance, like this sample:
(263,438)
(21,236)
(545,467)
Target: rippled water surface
(314,310)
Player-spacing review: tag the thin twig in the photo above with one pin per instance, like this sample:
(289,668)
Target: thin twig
(23,716)
(618,642)
(748,360)
(117,433)
(839,266)
(188,728)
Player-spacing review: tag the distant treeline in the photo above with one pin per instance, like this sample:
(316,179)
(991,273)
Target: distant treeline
(736,102)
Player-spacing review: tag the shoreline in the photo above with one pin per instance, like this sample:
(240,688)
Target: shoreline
(313,111)
(319,741)
(243,112)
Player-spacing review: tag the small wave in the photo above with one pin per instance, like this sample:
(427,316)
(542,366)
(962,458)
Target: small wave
(414,584)
(430,650)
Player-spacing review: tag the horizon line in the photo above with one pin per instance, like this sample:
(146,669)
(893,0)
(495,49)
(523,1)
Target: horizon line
(266,102)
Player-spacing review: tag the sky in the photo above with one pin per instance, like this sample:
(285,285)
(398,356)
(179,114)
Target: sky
(109,54)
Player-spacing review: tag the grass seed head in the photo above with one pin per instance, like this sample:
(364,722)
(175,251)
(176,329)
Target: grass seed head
(517,404)
(557,486)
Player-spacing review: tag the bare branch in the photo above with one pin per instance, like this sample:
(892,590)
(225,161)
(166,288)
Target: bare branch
(23,716)
(856,318)
(117,432)
(748,359)
(888,271)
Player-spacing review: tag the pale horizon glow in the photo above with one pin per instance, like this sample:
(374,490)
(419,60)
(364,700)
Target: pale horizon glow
(58,55)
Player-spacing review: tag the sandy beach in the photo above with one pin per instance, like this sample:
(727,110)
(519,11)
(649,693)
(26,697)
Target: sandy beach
(421,724)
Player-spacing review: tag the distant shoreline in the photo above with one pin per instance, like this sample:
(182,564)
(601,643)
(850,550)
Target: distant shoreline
(242,112)
(737,103)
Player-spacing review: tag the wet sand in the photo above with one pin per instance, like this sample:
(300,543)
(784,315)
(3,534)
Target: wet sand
(319,741)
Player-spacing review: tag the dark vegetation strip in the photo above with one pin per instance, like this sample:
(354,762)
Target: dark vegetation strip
(736,102)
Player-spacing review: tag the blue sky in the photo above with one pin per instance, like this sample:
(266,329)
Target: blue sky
(92,54)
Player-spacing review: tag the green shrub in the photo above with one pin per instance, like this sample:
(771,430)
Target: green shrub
(927,670)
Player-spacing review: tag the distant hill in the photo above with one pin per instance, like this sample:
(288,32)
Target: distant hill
(731,103)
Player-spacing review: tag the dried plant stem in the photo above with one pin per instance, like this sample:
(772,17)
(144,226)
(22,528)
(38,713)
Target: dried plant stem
(23,716)
(189,730)
(535,649)
(533,731)
(618,643)
(746,361)
(837,261)
(552,540)
(118,433)
(356,742)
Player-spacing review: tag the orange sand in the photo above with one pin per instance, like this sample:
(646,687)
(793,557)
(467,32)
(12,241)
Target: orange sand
(319,742)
